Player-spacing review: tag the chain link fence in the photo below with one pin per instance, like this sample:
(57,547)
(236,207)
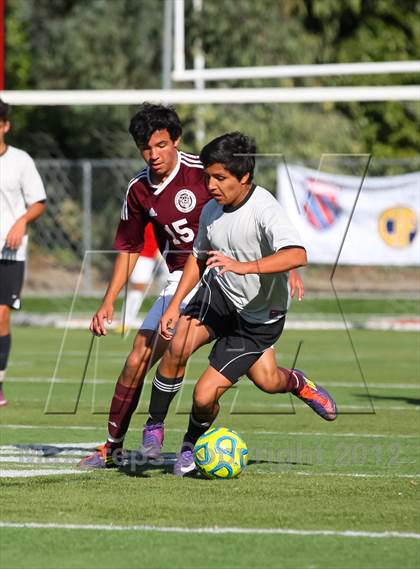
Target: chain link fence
(85,198)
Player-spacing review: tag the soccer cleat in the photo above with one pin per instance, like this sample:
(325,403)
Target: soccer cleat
(3,400)
(318,399)
(103,457)
(153,436)
(185,462)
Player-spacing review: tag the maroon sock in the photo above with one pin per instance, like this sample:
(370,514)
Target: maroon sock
(294,381)
(123,405)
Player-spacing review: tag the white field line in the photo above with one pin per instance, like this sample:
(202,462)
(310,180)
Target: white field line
(5,473)
(282,433)
(76,446)
(302,406)
(66,427)
(46,461)
(16,453)
(45,472)
(37,460)
(394,325)
(364,408)
(214,530)
(297,404)
(101,381)
(354,474)
(377,408)
(16,467)
(373,385)
(329,435)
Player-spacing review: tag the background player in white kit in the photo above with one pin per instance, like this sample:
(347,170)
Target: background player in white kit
(243,251)
(22,199)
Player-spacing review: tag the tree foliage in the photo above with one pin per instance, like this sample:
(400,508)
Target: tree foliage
(103,44)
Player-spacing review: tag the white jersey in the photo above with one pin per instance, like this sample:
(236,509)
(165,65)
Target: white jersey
(256,228)
(20,187)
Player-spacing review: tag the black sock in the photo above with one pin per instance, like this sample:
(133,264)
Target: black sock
(196,428)
(164,390)
(5,344)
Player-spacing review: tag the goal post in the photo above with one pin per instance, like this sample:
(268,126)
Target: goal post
(212,96)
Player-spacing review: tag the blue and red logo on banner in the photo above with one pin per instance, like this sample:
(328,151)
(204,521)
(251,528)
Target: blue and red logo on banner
(321,207)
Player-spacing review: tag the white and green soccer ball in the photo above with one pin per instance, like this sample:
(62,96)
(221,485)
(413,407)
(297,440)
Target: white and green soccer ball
(220,453)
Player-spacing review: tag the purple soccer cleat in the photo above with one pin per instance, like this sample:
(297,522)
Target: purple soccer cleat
(185,462)
(153,436)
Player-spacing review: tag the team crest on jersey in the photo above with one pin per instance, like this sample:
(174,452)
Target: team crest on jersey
(185,201)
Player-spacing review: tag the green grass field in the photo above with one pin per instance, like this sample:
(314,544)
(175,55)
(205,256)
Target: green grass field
(320,480)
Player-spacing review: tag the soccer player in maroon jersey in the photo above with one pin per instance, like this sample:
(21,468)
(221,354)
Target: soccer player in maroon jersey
(170,193)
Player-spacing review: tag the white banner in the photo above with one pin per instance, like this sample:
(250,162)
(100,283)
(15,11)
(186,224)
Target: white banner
(383,229)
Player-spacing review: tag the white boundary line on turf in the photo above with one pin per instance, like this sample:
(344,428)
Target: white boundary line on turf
(16,455)
(276,406)
(103,381)
(328,435)
(377,408)
(45,472)
(213,530)
(13,459)
(25,447)
(5,473)
(354,474)
(275,433)
(73,428)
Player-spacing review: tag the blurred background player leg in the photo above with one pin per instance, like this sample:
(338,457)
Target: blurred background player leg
(138,284)
(140,279)
(11,280)
(5,342)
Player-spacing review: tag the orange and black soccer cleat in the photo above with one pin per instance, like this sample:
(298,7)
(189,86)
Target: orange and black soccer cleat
(315,396)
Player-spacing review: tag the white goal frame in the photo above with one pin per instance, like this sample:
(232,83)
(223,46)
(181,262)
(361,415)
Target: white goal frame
(201,95)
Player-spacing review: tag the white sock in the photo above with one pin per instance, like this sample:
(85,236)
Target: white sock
(2,376)
(132,306)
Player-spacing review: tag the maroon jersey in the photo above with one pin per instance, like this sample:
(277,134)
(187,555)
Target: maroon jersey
(173,207)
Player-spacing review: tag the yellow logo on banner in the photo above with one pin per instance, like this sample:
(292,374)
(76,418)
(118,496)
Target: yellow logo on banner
(398,226)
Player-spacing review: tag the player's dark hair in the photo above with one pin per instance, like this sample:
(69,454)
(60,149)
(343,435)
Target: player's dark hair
(4,111)
(234,150)
(150,118)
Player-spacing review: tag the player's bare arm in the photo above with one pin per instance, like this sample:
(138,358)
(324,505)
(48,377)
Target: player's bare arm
(18,229)
(191,275)
(123,267)
(281,261)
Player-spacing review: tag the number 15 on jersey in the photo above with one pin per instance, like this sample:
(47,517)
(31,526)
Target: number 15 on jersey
(179,232)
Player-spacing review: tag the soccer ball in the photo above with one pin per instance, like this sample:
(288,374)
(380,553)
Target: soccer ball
(220,453)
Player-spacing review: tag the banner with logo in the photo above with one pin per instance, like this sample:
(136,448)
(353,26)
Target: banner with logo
(383,228)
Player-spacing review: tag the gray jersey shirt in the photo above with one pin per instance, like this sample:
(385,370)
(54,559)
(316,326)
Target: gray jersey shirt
(257,228)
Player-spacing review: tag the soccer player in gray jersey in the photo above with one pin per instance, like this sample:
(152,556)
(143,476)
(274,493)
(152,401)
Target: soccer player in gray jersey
(243,251)
(22,200)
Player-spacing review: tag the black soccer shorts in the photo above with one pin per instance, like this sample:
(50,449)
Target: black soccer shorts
(11,281)
(239,344)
